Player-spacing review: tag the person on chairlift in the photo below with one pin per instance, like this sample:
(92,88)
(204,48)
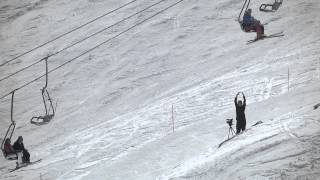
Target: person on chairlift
(19,146)
(8,149)
(252,24)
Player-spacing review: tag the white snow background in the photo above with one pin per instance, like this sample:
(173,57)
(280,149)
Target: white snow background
(114,113)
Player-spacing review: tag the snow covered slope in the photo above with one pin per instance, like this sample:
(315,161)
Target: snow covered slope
(114,113)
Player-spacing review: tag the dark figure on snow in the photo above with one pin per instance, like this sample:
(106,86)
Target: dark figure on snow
(8,149)
(251,24)
(241,117)
(18,146)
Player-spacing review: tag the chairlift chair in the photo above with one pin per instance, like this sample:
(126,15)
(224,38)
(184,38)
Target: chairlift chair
(9,133)
(49,113)
(271,7)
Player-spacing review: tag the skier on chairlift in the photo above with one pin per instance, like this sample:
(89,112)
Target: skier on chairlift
(7,147)
(19,146)
(252,24)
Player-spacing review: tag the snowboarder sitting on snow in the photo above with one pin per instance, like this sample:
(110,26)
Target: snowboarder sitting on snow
(249,23)
(18,147)
(241,118)
(8,149)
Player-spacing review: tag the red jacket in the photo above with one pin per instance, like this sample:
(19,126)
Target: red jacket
(8,149)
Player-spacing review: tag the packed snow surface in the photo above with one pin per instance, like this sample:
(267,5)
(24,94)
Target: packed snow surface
(117,103)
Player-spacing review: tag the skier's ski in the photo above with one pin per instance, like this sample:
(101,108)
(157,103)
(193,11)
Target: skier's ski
(24,165)
(279,34)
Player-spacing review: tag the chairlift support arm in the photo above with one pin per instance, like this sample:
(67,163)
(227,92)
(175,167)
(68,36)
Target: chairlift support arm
(244,7)
(13,123)
(46,60)
(45,95)
(44,89)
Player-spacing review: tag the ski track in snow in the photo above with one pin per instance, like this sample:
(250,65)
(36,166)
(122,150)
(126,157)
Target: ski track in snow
(114,104)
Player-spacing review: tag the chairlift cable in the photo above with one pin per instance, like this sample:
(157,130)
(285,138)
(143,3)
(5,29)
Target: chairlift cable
(95,47)
(81,40)
(64,34)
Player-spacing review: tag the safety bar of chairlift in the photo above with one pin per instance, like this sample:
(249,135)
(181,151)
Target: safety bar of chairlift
(50,101)
(51,105)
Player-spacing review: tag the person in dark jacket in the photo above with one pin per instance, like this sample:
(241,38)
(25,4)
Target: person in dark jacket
(250,23)
(241,117)
(7,147)
(19,146)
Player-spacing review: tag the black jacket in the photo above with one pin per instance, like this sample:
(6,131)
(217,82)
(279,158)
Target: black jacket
(240,110)
(18,146)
